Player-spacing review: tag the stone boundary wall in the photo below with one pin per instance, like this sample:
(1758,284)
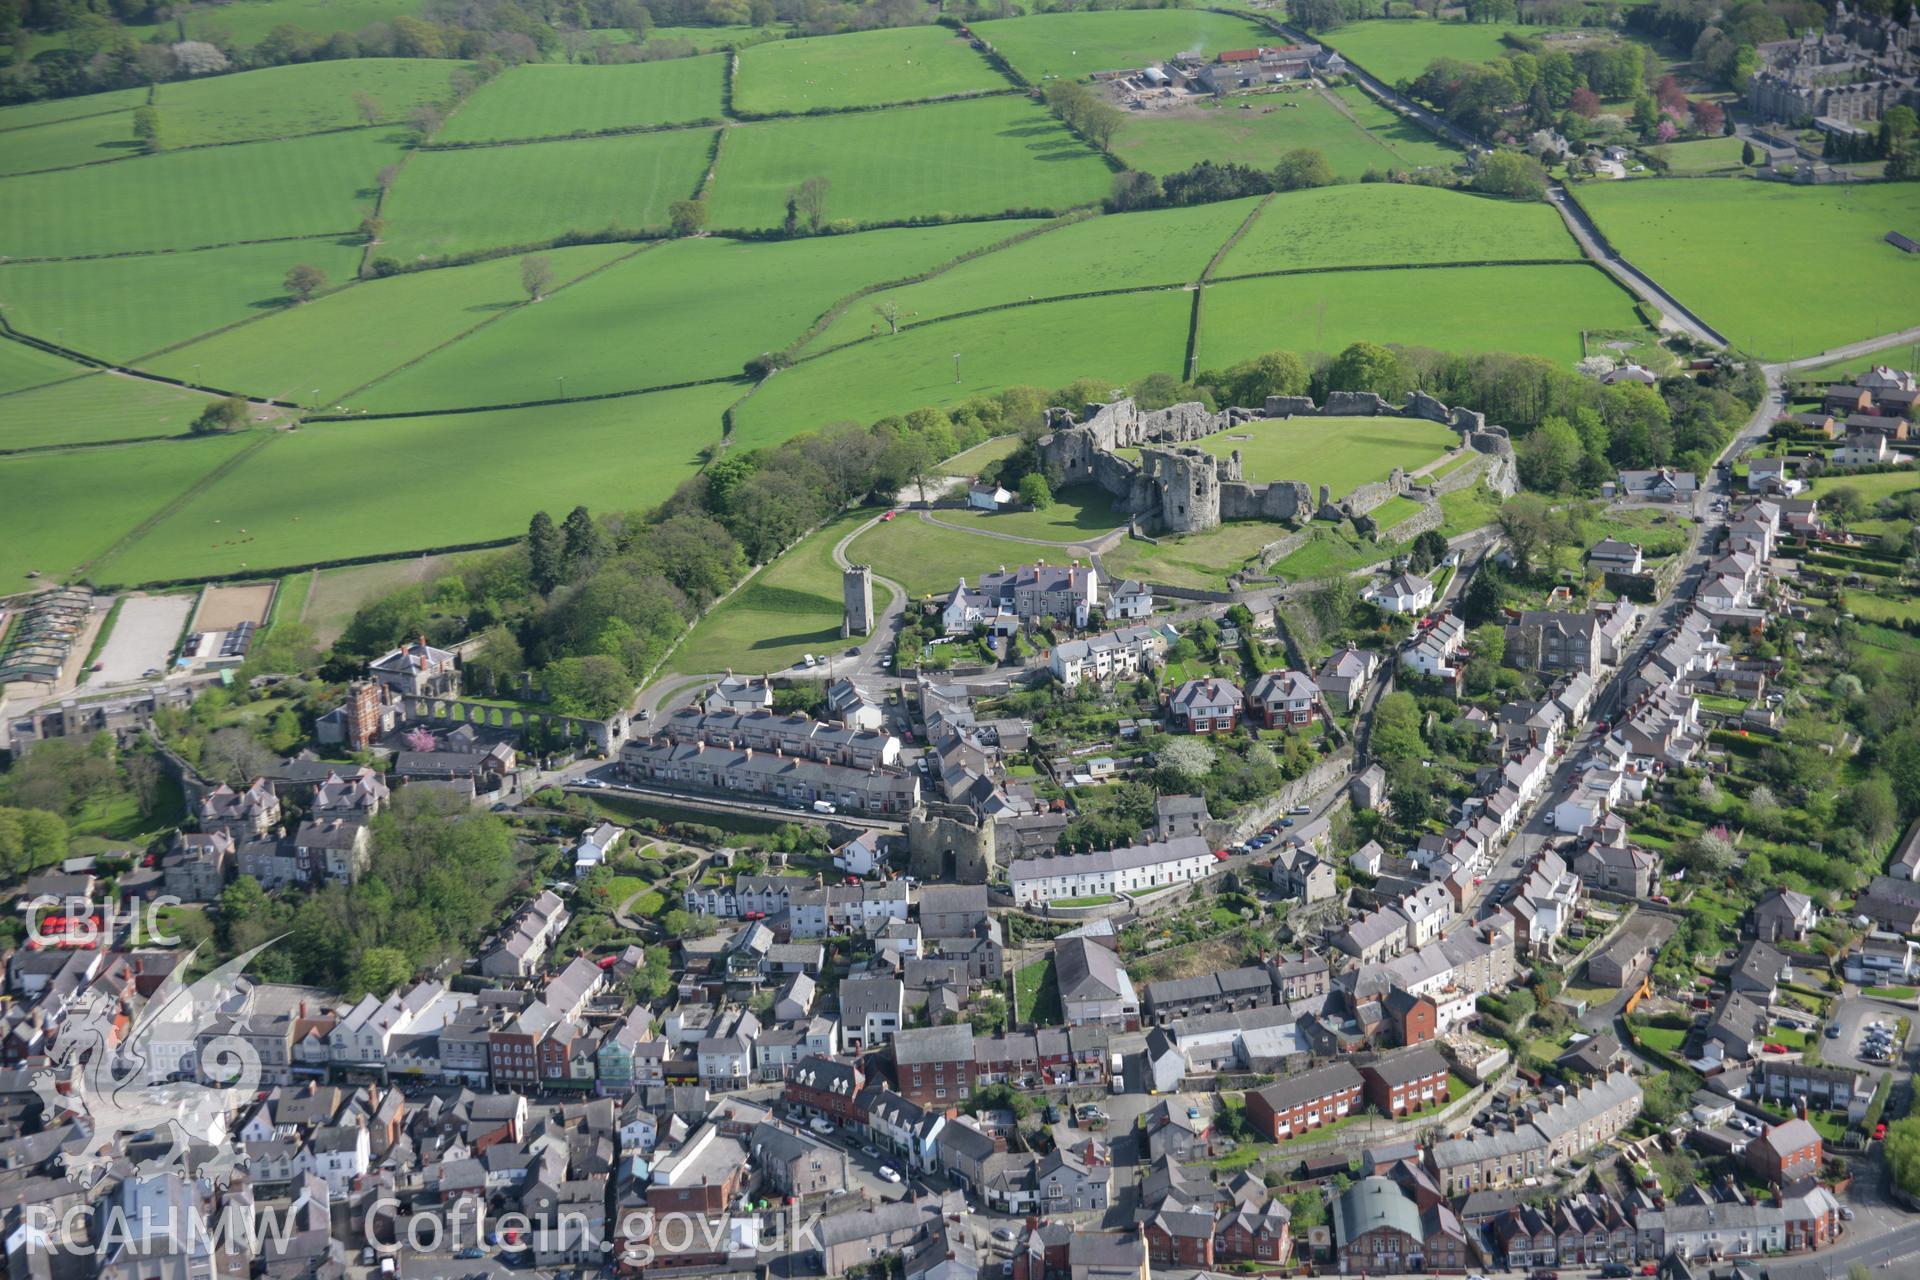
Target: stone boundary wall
(1429,516)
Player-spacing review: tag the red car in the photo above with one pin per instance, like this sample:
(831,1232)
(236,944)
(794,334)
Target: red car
(1880,1131)
(1650,1269)
(1771,1047)
(890,515)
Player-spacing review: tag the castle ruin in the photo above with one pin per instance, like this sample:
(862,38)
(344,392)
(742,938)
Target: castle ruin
(1179,487)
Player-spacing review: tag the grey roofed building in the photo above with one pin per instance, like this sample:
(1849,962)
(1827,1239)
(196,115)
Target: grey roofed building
(934,1044)
(1372,1203)
(1087,970)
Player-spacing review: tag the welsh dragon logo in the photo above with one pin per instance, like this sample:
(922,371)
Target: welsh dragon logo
(121,1090)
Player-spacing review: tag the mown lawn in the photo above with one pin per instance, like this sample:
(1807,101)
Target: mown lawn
(318,351)
(184,199)
(1201,560)
(1078,512)
(1389,224)
(1037,994)
(928,558)
(985,156)
(301,498)
(678,312)
(860,69)
(1528,310)
(120,309)
(541,100)
(1047,345)
(792,607)
(1115,251)
(449,202)
(1341,453)
(1711,244)
(94,407)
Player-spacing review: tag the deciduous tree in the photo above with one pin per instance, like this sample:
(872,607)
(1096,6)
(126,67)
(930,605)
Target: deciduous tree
(536,276)
(304,280)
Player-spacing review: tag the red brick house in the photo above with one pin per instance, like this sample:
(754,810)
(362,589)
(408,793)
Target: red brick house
(1416,1019)
(934,1066)
(830,1086)
(1786,1152)
(1307,1101)
(1405,1082)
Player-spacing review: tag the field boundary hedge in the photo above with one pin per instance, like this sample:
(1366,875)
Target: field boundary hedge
(826,318)
(85,115)
(344,562)
(848,227)
(193,248)
(548,403)
(496,317)
(1336,269)
(174,505)
(196,146)
(77,446)
(1206,277)
(243,321)
(578,135)
(714,148)
(995,59)
(66,353)
(749,117)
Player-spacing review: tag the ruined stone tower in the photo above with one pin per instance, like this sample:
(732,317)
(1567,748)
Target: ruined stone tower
(856,593)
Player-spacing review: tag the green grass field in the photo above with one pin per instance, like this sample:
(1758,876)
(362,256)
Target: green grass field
(1872,488)
(1708,155)
(958,158)
(672,314)
(347,339)
(1076,45)
(1386,224)
(1200,561)
(550,101)
(31,115)
(22,366)
(927,559)
(1400,49)
(279,102)
(862,69)
(68,142)
(306,495)
(1113,251)
(449,202)
(1258,130)
(1530,310)
(83,503)
(122,308)
(1904,355)
(186,199)
(98,406)
(1341,453)
(790,608)
(969,462)
(1749,256)
(1047,345)
(1078,513)
(248,21)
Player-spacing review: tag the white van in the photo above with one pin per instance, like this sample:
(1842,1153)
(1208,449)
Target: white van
(824,806)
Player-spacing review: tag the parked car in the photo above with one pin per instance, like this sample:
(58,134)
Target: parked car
(889,1173)
(1833,1031)
(1052,1114)
(820,1124)
(1880,1132)
(1616,1271)
(1773,1046)
(1004,1234)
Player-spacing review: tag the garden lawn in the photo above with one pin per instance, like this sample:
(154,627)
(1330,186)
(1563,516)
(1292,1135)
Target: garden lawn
(347,339)
(1258,130)
(1078,512)
(1527,310)
(1036,991)
(790,608)
(83,140)
(1076,45)
(59,510)
(971,158)
(1871,488)
(684,310)
(928,558)
(969,462)
(1341,453)
(1197,560)
(22,366)
(861,69)
(188,199)
(307,97)
(451,202)
(1391,224)
(545,100)
(467,478)
(1750,257)
(96,407)
(1114,251)
(1396,49)
(120,309)
(1047,345)
(1708,155)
